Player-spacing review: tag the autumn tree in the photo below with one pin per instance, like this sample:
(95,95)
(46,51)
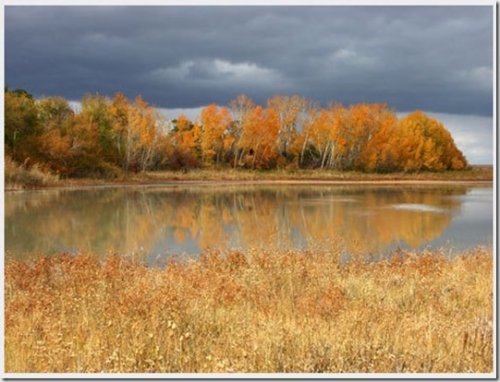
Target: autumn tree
(96,108)
(143,119)
(134,126)
(108,134)
(381,153)
(215,123)
(240,107)
(56,120)
(426,145)
(53,112)
(184,140)
(319,133)
(122,128)
(21,123)
(187,134)
(119,117)
(259,137)
(89,155)
(375,151)
(290,111)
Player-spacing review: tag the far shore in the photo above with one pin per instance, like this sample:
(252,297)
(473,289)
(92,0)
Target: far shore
(213,182)
(481,175)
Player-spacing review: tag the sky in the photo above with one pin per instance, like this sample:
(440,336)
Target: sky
(433,58)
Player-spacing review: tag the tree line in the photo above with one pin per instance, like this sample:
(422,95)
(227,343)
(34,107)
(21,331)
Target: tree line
(109,136)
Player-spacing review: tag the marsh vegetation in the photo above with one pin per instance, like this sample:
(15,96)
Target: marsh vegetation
(257,311)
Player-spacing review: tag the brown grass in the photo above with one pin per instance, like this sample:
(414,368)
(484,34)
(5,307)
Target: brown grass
(250,312)
(474,174)
(18,176)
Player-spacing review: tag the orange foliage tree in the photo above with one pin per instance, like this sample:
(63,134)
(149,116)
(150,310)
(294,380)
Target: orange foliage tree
(108,134)
(215,123)
(259,137)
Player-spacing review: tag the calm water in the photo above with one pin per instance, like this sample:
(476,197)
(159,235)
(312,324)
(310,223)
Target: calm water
(158,221)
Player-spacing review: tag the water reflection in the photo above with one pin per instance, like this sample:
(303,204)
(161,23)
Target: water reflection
(170,220)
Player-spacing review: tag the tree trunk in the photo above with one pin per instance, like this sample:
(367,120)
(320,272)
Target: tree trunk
(323,160)
(255,156)
(235,160)
(332,152)
(303,149)
(127,152)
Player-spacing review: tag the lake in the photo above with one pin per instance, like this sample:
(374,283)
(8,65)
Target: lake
(157,221)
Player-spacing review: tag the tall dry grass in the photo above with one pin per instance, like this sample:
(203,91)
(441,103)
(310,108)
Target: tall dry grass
(18,176)
(252,312)
(474,173)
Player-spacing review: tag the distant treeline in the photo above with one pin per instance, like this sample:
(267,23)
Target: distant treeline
(109,136)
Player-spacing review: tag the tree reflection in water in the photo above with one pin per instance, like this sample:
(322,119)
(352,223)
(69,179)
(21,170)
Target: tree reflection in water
(176,219)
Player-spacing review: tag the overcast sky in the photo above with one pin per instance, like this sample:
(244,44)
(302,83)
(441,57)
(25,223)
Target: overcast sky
(438,59)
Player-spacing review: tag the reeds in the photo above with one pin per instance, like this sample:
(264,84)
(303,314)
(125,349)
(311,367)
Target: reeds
(474,173)
(18,176)
(250,312)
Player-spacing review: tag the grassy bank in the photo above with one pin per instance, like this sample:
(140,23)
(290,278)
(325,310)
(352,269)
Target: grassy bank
(18,176)
(252,312)
(474,174)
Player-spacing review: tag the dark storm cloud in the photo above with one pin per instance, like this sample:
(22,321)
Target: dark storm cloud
(433,58)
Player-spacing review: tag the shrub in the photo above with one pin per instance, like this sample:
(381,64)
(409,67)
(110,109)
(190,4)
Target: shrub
(20,176)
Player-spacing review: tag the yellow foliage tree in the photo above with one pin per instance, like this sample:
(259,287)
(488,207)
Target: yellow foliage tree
(215,123)
(426,145)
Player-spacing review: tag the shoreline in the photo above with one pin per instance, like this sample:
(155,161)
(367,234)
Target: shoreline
(482,175)
(241,182)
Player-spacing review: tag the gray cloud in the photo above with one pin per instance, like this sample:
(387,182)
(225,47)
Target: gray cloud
(438,59)
(432,58)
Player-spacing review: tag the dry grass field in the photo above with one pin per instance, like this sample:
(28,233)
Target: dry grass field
(250,312)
